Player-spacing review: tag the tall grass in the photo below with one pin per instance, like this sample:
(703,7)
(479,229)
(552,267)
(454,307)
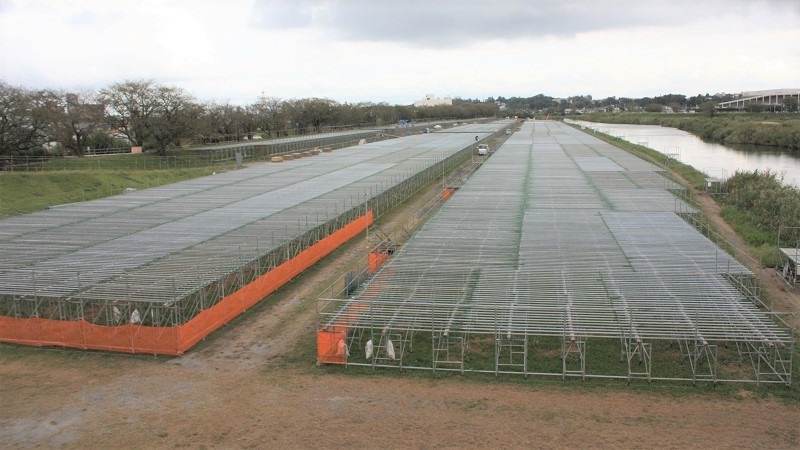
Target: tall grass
(764,212)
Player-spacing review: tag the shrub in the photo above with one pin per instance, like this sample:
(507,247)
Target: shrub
(760,204)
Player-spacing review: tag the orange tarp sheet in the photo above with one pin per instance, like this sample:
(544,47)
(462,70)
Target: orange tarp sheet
(173,340)
(447,193)
(331,340)
(331,346)
(376,259)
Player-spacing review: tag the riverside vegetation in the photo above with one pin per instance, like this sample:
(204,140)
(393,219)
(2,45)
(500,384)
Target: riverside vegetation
(757,205)
(777,130)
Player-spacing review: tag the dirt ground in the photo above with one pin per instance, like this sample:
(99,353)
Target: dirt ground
(248,386)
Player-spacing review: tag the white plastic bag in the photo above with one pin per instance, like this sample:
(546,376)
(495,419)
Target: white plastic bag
(135,318)
(368,349)
(389,349)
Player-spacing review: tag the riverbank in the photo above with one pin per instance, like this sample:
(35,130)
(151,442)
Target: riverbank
(775,130)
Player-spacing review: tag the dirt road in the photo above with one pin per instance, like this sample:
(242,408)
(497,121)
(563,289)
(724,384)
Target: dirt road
(53,399)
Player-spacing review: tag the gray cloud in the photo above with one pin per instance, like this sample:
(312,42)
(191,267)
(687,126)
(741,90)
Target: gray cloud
(452,23)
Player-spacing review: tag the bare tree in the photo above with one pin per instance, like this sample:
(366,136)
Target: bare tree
(225,122)
(79,115)
(270,114)
(25,117)
(172,117)
(311,114)
(131,105)
(13,135)
(211,125)
(149,113)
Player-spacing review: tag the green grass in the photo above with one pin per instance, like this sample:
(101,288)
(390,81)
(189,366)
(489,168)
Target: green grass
(603,357)
(761,241)
(143,161)
(747,226)
(24,192)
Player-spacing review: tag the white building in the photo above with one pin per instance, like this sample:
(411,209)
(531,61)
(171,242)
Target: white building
(430,100)
(769,97)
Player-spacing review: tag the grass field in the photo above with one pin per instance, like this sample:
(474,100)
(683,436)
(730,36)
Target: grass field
(24,192)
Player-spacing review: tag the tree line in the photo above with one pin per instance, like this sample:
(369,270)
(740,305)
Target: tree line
(159,117)
(542,104)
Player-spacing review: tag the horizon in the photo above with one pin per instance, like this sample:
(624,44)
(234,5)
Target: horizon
(456,97)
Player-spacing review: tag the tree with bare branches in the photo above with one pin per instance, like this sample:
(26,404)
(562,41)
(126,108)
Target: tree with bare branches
(150,114)
(79,114)
(25,117)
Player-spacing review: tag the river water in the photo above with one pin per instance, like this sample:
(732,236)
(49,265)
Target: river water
(716,160)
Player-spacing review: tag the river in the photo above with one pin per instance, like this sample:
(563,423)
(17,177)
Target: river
(716,160)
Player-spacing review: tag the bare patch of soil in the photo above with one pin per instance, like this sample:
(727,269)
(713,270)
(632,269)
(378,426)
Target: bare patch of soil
(52,401)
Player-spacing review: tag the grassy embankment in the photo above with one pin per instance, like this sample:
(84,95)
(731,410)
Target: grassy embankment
(34,187)
(778,130)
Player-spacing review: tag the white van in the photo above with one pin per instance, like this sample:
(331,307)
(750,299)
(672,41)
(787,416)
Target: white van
(483,149)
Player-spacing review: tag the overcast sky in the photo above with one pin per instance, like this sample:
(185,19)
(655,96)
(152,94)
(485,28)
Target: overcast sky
(396,51)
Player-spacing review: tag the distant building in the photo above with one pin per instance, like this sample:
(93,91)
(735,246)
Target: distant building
(771,97)
(430,100)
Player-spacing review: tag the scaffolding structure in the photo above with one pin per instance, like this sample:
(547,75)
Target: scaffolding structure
(788,253)
(160,257)
(263,149)
(563,256)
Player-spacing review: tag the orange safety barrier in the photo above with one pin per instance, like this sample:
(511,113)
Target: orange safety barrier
(331,341)
(177,339)
(332,345)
